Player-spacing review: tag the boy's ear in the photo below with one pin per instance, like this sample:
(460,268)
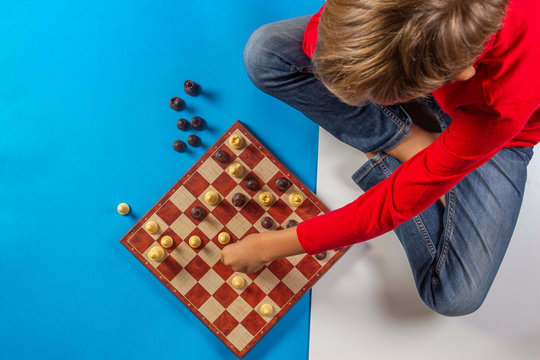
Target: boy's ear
(466,74)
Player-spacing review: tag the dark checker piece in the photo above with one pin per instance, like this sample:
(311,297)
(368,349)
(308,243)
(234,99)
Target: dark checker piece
(291,223)
(197,212)
(267,222)
(176,103)
(182,124)
(282,184)
(238,199)
(179,145)
(197,122)
(321,256)
(252,184)
(191,87)
(222,156)
(193,140)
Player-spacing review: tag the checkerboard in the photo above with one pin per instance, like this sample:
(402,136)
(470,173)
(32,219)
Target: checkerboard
(196,276)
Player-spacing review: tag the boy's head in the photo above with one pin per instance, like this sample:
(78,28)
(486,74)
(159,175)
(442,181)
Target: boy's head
(388,51)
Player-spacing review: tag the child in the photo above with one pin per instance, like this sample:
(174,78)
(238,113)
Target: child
(474,64)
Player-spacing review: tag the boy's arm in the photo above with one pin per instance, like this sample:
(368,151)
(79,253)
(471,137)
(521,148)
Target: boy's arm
(255,250)
(474,136)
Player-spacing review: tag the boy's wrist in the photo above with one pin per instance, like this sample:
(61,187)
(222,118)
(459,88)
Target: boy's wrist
(279,244)
(267,251)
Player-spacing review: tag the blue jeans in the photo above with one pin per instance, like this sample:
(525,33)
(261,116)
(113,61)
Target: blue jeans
(454,251)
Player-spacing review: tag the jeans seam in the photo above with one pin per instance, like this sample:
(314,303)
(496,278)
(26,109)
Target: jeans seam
(369,168)
(303,69)
(451,201)
(385,168)
(427,239)
(404,126)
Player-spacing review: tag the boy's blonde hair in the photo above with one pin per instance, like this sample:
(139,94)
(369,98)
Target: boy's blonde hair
(387,51)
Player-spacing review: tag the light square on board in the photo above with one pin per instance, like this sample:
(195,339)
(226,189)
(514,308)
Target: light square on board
(211,309)
(240,337)
(295,280)
(239,308)
(211,281)
(238,225)
(182,198)
(183,282)
(210,226)
(183,226)
(266,280)
(183,254)
(211,253)
(265,169)
(210,170)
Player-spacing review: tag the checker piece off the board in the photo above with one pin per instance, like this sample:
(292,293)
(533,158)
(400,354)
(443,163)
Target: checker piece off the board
(235,189)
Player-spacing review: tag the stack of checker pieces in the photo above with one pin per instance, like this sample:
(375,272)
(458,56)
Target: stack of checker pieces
(196,276)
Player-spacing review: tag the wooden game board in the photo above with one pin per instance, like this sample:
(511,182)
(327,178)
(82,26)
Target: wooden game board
(196,276)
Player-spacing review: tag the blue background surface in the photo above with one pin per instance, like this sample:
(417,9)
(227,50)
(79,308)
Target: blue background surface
(84,125)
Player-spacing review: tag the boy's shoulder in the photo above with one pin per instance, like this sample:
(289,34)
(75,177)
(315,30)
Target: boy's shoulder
(512,59)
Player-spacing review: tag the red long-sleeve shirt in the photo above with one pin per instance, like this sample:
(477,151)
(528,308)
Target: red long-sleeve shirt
(498,107)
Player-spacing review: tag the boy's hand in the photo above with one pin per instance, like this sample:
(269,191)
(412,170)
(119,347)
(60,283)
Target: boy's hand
(245,256)
(255,250)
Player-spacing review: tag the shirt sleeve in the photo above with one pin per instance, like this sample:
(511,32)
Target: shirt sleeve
(474,136)
(311,34)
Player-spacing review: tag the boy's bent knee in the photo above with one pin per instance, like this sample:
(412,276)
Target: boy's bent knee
(262,59)
(456,308)
(257,55)
(453,303)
